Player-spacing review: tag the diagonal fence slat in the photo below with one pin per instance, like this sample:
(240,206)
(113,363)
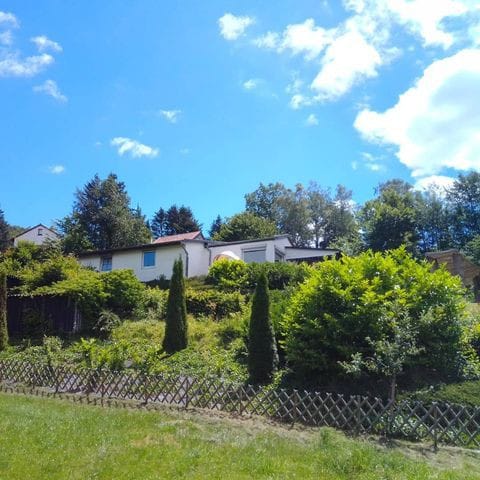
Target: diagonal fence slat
(439,422)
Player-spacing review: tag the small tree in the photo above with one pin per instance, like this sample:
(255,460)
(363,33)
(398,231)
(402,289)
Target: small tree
(390,353)
(3,311)
(262,347)
(176,327)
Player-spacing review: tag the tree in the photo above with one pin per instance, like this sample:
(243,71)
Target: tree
(159,223)
(102,218)
(262,347)
(464,205)
(176,327)
(174,221)
(3,311)
(390,354)
(4,233)
(245,226)
(390,220)
(216,226)
(264,201)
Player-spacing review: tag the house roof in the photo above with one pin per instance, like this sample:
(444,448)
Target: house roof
(180,237)
(29,229)
(215,243)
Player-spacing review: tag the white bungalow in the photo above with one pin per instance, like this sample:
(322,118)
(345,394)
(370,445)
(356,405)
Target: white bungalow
(152,260)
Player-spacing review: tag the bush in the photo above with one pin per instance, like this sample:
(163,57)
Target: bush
(123,291)
(238,275)
(338,312)
(213,303)
(152,305)
(3,311)
(106,323)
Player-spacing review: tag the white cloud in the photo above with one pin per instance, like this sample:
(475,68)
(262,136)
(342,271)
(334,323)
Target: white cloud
(50,87)
(435,124)
(133,148)
(371,162)
(170,115)
(357,48)
(6,38)
(233,27)
(438,182)
(8,19)
(250,84)
(56,169)
(13,65)
(311,120)
(269,40)
(43,44)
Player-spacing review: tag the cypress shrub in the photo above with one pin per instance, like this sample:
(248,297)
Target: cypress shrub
(176,318)
(262,348)
(3,311)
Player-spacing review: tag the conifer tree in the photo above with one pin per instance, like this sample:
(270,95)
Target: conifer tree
(262,347)
(176,328)
(4,233)
(3,311)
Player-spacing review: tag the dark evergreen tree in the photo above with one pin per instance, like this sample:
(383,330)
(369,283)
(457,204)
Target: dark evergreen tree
(181,220)
(102,218)
(159,223)
(262,347)
(216,226)
(3,311)
(4,233)
(176,327)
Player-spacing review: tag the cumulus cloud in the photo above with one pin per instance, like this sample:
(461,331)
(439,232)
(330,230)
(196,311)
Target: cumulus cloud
(356,49)
(44,44)
(133,148)
(171,116)
(14,65)
(56,169)
(13,62)
(50,87)
(439,183)
(250,84)
(435,124)
(7,18)
(311,120)
(233,27)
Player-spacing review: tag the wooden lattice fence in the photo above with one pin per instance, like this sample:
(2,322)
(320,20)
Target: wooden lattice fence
(437,422)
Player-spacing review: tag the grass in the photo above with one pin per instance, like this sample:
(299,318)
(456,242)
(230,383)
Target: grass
(53,439)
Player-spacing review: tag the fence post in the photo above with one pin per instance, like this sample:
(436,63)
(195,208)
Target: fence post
(187,393)
(435,426)
(357,414)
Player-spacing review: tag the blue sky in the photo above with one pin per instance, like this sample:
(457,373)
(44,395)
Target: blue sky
(195,103)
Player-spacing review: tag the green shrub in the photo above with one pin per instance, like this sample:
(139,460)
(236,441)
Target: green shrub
(238,275)
(214,303)
(152,305)
(228,274)
(123,291)
(342,304)
(106,323)
(176,327)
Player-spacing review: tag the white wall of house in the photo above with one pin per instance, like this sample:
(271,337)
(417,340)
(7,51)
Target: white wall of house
(37,235)
(251,251)
(198,258)
(133,260)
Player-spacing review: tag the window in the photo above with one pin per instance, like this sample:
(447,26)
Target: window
(255,255)
(40,232)
(148,259)
(106,264)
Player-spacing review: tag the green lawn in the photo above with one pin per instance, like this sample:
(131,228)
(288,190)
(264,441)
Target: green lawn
(54,439)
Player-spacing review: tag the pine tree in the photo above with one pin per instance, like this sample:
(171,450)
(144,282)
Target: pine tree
(3,311)
(159,223)
(262,347)
(215,227)
(4,233)
(176,327)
